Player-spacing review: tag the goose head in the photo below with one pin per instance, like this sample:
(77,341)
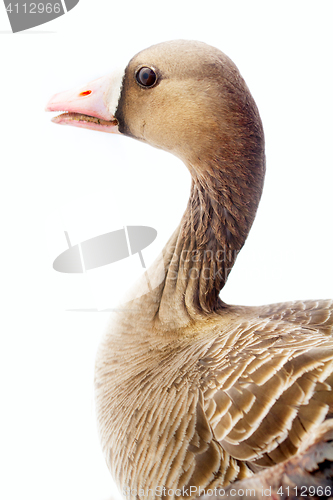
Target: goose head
(185,97)
(189,99)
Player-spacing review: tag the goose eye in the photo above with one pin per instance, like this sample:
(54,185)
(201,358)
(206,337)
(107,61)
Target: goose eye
(146,77)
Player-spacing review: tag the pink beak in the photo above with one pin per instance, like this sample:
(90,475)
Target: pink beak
(86,106)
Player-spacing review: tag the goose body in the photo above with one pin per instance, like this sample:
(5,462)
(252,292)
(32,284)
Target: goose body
(193,394)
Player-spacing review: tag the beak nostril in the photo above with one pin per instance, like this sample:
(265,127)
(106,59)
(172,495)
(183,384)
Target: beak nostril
(86,92)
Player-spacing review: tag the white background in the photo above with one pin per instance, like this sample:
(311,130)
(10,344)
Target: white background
(57,178)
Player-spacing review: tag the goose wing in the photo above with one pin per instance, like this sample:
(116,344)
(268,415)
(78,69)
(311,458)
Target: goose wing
(269,383)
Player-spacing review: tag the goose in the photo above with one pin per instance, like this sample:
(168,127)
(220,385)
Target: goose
(193,394)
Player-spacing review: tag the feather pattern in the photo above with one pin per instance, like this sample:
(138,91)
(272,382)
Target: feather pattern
(218,403)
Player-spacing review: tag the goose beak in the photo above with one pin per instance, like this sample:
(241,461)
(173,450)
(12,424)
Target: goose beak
(87,107)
